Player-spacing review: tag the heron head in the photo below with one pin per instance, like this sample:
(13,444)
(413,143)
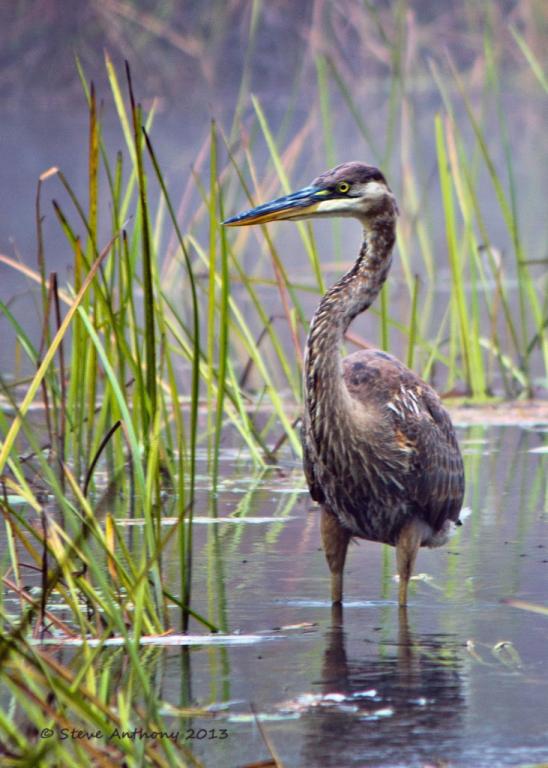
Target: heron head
(351,189)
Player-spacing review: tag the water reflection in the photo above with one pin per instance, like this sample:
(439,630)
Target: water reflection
(398,702)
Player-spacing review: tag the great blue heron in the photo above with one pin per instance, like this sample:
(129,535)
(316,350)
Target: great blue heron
(380,452)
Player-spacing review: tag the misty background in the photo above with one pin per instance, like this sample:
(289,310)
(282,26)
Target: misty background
(198,61)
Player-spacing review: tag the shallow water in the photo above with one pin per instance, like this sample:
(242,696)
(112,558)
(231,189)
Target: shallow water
(459,681)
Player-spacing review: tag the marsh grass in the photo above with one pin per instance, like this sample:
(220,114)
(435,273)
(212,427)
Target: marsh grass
(162,344)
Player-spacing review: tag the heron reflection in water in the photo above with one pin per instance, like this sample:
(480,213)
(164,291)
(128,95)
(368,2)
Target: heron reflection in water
(380,452)
(399,700)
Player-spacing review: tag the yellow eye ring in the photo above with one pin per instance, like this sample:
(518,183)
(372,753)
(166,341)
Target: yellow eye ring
(343,187)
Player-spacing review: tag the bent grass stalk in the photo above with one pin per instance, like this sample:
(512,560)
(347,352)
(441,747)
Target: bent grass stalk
(7,444)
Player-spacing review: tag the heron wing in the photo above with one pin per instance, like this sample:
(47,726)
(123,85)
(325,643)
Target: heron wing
(415,427)
(437,468)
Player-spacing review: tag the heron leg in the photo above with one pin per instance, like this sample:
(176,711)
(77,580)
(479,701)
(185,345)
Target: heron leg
(335,540)
(407,546)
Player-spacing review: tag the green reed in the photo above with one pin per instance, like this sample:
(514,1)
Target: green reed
(108,403)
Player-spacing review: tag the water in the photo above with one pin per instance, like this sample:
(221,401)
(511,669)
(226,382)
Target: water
(459,681)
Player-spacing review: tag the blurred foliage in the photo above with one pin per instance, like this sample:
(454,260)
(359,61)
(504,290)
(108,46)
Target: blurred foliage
(193,50)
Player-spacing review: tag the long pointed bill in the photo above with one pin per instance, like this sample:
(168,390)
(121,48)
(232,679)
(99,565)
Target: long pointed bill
(294,206)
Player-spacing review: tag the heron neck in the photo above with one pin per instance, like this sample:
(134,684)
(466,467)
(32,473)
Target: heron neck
(351,295)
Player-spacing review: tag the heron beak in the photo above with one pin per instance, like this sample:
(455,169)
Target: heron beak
(297,205)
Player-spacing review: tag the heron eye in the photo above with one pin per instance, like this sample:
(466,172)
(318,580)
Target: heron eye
(343,187)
